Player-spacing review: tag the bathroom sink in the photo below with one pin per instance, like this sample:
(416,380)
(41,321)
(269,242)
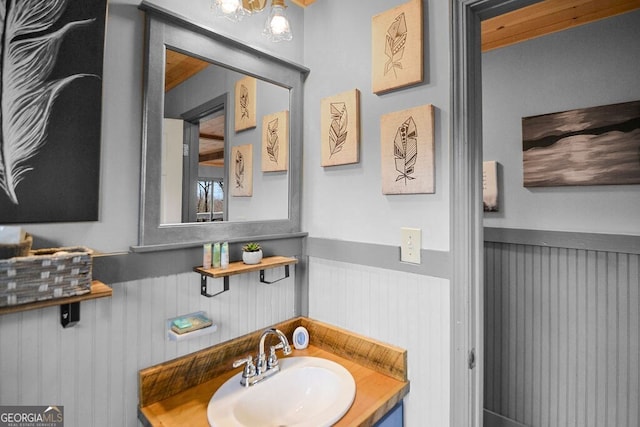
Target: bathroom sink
(308,391)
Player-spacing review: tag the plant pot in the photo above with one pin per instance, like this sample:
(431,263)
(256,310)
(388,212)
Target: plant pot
(252,257)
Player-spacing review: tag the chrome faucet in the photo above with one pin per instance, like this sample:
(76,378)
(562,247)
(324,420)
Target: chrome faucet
(264,366)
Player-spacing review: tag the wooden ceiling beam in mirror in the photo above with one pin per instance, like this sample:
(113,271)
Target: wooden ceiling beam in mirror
(211,136)
(218,155)
(546,17)
(179,67)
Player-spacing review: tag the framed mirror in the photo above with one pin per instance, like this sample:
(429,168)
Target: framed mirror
(222,141)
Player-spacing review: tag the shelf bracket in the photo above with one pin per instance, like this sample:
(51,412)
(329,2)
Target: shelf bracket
(69,314)
(203,286)
(286,274)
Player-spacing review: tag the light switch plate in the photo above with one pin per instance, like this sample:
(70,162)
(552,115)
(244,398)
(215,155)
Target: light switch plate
(411,242)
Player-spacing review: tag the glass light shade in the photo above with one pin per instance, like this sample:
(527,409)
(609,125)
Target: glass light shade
(277,27)
(230,9)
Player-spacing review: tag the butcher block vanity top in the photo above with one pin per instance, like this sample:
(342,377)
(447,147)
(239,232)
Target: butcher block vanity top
(177,392)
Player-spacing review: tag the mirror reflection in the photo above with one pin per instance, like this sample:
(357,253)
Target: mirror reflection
(213,157)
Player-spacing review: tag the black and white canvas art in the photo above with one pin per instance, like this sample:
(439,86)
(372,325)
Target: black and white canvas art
(50,103)
(588,146)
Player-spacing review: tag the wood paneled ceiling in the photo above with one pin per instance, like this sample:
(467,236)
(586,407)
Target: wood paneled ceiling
(546,17)
(179,67)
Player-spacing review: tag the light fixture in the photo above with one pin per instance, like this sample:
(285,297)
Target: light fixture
(277,27)
(235,10)
(230,9)
(252,6)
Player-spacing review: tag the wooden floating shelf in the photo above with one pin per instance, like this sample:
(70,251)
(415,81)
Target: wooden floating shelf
(239,267)
(98,290)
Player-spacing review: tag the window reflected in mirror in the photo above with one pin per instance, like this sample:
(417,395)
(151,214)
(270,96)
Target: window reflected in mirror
(210,200)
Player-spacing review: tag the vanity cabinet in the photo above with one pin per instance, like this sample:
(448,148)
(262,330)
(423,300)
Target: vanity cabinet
(177,392)
(393,418)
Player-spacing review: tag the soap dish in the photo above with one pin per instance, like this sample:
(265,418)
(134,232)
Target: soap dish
(194,324)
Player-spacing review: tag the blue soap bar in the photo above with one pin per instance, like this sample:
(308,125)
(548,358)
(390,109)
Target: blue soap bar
(182,323)
(190,322)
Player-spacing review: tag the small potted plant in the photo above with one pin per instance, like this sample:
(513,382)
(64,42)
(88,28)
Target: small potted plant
(252,253)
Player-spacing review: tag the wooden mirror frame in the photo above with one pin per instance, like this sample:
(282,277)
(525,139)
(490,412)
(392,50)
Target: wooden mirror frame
(165,28)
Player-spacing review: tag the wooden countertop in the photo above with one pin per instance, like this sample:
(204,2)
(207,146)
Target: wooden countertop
(379,371)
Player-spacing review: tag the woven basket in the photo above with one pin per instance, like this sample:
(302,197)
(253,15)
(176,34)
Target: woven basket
(16,249)
(45,274)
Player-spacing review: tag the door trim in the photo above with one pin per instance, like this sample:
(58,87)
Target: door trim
(466,204)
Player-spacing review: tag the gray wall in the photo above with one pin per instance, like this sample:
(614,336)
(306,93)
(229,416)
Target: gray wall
(595,64)
(117,228)
(562,334)
(346,202)
(561,317)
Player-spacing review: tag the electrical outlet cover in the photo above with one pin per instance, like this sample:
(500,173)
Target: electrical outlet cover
(411,243)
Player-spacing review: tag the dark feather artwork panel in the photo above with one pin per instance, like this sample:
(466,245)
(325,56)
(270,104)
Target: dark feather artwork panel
(62,184)
(588,146)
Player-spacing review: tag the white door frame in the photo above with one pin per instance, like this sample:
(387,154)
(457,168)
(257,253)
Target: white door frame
(466,205)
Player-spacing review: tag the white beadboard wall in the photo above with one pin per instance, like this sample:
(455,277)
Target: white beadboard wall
(404,309)
(562,333)
(92,368)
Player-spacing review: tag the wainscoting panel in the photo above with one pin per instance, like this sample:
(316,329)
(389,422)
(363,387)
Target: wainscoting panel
(404,309)
(91,369)
(562,334)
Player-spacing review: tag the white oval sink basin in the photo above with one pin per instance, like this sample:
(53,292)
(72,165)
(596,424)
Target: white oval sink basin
(308,391)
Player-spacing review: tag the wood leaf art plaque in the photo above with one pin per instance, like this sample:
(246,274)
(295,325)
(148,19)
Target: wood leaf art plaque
(275,142)
(242,171)
(245,103)
(340,132)
(397,53)
(408,151)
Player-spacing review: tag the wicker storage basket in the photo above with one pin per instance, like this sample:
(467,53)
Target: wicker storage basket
(45,274)
(17,249)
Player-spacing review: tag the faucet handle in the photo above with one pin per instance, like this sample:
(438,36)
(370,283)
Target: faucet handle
(248,360)
(272,361)
(249,369)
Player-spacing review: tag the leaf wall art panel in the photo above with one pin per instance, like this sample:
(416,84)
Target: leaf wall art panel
(242,171)
(407,144)
(397,55)
(275,142)
(340,128)
(51,109)
(245,103)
